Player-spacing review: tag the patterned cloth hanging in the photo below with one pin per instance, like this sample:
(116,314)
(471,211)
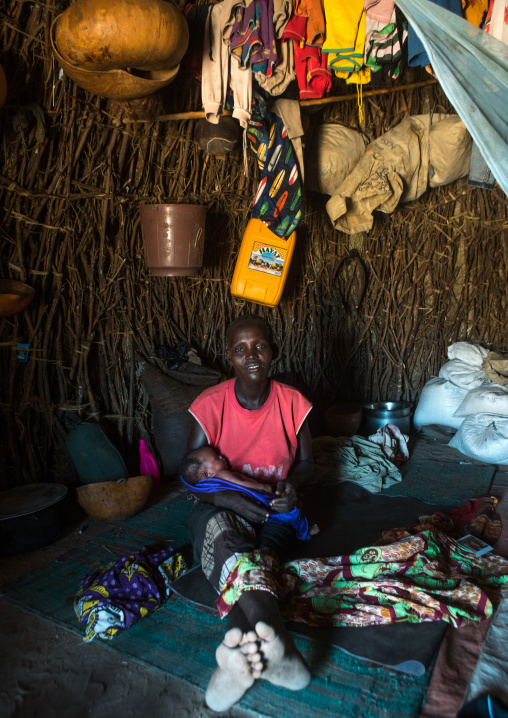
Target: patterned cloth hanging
(278,201)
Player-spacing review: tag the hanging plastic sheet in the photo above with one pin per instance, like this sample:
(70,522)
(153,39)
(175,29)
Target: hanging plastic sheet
(472,68)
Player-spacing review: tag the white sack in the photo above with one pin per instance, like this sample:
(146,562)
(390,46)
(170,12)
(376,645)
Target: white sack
(472,354)
(331,152)
(483,437)
(438,403)
(485,400)
(461,374)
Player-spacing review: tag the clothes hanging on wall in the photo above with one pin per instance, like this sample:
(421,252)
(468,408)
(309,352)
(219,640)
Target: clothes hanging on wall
(250,34)
(474,11)
(416,54)
(220,71)
(379,10)
(313,11)
(345,34)
(383,45)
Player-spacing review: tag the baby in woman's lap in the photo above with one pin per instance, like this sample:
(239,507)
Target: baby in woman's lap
(200,469)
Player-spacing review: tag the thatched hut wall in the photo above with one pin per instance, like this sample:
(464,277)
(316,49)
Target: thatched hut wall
(73,177)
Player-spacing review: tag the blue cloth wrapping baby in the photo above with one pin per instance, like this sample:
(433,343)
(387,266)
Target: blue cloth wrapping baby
(294,518)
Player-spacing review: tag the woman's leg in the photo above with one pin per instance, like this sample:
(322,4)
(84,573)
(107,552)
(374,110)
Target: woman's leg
(282,663)
(257,643)
(219,538)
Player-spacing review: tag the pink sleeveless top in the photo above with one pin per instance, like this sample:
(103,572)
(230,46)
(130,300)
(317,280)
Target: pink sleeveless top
(261,443)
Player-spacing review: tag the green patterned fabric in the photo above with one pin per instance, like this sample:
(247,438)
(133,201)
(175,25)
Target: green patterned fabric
(423,577)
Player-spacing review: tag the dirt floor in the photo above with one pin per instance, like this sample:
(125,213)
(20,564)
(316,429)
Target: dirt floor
(49,672)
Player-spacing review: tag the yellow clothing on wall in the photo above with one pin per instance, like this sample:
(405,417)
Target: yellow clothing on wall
(345,34)
(474,10)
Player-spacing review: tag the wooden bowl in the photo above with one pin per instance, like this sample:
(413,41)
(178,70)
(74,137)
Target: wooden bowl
(344,418)
(114,84)
(14,297)
(115,500)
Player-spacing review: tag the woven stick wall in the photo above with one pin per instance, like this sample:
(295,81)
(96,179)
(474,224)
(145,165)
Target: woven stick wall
(72,180)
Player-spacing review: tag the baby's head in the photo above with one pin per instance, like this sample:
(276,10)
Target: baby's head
(203,463)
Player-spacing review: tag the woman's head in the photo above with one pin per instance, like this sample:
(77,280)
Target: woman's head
(249,318)
(249,343)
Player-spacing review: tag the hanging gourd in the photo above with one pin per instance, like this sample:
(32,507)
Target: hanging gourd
(121,49)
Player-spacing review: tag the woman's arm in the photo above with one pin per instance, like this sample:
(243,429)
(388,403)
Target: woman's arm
(240,480)
(242,505)
(300,473)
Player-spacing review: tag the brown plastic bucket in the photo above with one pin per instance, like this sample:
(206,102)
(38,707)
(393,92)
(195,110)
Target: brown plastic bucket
(173,237)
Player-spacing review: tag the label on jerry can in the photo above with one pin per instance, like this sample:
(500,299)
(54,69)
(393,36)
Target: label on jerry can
(267,259)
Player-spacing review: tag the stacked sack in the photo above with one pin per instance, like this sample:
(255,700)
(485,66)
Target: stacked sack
(464,398)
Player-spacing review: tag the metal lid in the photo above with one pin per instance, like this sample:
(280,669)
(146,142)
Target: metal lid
(24,500)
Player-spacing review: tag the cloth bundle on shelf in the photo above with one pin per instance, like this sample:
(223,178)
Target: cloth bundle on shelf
(396,167)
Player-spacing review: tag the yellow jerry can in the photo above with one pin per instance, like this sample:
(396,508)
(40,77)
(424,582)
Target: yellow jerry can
(263,264)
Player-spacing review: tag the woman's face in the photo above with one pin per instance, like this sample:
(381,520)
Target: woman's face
(250,352)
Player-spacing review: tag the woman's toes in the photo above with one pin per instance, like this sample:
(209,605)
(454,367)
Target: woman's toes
(264,631)
(249,648)
(249,637)
(233,638)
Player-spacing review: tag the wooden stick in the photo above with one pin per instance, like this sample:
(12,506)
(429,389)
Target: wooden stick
(198,115)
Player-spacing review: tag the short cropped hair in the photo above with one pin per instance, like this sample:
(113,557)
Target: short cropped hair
(247,319)
(189,467)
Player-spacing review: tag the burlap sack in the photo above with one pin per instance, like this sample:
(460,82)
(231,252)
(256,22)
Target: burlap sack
(393,168)
(331,152)
(495,367)
(450,150)
(397,167)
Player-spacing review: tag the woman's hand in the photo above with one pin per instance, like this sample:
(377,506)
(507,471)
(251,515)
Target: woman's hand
(286,498)
(245,506)
(248,508)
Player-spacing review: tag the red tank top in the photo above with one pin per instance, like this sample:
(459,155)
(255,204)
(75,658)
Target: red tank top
(260,443)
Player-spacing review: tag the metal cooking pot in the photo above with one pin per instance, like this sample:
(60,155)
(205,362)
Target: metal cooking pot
(381,413)
(30,517)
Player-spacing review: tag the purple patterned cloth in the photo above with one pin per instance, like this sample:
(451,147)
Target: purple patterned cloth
(113,597)
(251,35)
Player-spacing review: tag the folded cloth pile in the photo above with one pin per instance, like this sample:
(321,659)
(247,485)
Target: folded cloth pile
(392,442)
(352,459)
(115,596)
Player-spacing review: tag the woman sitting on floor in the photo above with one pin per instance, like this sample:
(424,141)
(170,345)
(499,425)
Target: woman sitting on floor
(250,418)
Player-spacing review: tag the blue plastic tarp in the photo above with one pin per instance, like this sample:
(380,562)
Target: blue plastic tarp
(472,68)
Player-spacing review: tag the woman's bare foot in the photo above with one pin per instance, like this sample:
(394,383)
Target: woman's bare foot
(282,663)
(235,673)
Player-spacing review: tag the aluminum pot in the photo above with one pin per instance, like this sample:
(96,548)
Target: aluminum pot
(381,413)
(30,517)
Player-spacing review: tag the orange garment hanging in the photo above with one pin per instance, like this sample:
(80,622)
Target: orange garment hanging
(474,10)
